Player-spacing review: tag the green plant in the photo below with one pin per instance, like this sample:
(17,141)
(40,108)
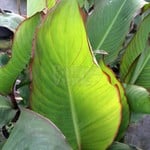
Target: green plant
(67,85)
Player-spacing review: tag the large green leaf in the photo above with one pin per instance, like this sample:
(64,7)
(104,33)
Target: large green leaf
(109,23)
(138,98)
(136,60)
(37,6)
(6,111)
(32,132)
(125,107)
(68,86)
(21,54)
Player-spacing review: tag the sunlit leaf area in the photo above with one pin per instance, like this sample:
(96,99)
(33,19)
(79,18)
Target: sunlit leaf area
(74,75)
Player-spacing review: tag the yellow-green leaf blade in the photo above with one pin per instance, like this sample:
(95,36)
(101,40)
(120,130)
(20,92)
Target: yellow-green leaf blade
(125,107)
(21,54)
(68,86)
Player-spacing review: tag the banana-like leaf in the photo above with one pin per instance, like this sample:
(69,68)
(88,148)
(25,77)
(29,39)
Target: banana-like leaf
(37,6)
(138,98)
(21,54)
(68,87)
(109,23)
(33,132)
(136,60)
(125,107)
(6,111)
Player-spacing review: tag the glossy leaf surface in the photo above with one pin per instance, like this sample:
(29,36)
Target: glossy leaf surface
(109,23)
(68,86)
(33,132)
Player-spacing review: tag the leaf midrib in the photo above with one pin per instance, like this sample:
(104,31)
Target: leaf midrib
(73,112)
(111,25)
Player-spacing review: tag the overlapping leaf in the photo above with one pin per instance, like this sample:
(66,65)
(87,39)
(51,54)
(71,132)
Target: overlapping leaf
(136,60)
(125,107)
(21,54)
(138,98)
(109,23)
(33,132)
(68,86)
